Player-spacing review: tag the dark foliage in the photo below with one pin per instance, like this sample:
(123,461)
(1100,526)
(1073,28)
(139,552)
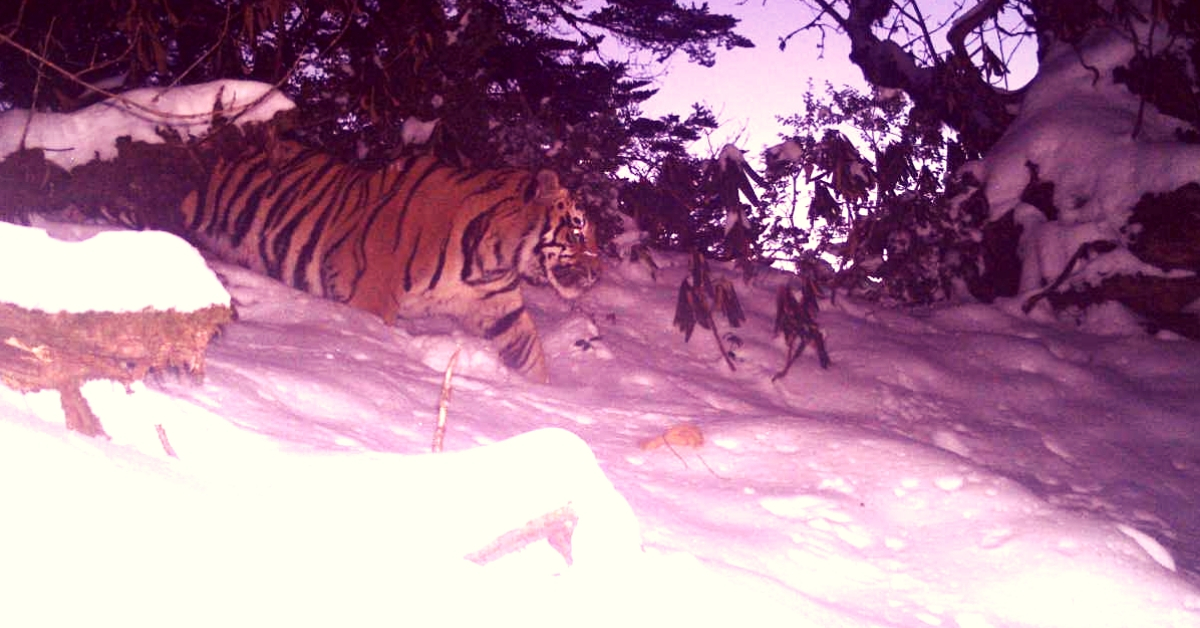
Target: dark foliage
(1165,229)
(700,296)
(877,201)
(797,321)
(890,203)
(508,82)
(30,184)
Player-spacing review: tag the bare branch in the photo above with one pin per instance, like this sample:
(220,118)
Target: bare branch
(971,20)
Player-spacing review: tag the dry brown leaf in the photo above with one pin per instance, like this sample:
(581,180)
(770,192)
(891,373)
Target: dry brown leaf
(679,435)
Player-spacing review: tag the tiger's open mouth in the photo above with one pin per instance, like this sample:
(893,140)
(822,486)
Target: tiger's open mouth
(572,279)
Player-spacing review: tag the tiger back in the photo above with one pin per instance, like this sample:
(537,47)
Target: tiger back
(415,238)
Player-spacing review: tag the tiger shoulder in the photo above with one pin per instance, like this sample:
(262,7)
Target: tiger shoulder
(415,238)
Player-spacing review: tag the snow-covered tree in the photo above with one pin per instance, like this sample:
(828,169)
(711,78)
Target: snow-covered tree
(1076,189)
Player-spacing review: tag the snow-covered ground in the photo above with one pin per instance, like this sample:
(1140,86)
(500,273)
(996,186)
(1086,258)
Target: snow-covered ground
(961,466)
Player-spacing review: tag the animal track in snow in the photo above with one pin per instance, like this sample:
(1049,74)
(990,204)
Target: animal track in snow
(949,482)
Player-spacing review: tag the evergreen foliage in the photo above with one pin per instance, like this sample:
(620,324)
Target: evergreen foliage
(508,82)
(865,181)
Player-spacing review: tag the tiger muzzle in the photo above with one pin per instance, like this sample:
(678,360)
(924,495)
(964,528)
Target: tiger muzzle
(573,279)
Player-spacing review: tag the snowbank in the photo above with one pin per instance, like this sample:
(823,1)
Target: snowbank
(967,467)
(72,139)
(96,274)
(1074,114)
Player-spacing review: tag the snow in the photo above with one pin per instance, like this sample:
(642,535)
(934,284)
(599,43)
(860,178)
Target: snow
(730,156)
(416,131)
(1072,116)
(959,466)
(788,150)
(71,139)
(1076,126)
(91,275)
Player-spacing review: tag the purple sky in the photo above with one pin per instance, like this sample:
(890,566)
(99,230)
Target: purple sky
(748,88)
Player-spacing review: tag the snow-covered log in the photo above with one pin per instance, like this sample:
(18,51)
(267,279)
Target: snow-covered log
(159,305)
(78,137)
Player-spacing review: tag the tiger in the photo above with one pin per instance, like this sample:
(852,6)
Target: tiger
(417,237)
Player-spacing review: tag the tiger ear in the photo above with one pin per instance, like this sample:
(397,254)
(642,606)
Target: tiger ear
(544,185)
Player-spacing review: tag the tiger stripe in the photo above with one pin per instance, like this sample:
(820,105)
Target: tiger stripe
(414,238)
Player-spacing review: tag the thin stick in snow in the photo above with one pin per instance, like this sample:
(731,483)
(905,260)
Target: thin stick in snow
(439,433)
(556,527)
(683,435)
(162,438)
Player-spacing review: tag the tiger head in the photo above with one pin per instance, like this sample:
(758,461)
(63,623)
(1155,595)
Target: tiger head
(567,255)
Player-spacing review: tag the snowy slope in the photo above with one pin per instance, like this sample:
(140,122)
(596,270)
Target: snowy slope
(961,466)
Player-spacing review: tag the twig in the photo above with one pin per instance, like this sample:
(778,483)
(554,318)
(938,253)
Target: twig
(796,320)
(162,438)
(668,445)
(556,527)
(972,19)
(37,85)
(439,433)
(716,334)
(1085,250)
(213,48)
(693,307)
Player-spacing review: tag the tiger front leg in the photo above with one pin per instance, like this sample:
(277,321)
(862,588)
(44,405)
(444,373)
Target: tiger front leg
(512,331)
